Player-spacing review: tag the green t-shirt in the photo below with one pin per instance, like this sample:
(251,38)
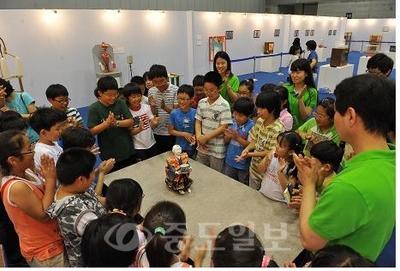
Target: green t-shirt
(310,99)
(114,142)
(234,83)
(357,208)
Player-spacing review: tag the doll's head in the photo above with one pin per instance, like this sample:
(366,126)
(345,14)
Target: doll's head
(176,150)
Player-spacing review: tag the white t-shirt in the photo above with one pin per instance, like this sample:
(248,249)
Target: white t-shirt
(270,185)
(145,139)
(291,60)
(54,151)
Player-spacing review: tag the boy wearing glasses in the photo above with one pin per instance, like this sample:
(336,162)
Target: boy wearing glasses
(181,121)
(57,95)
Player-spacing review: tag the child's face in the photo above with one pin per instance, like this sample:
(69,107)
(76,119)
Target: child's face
(87,182)
(263,113)
(109,97)
(184,101)
(148,83)
(134,100)
(54,133)
(59,103)
(142,88)
(211,91)
(244,92)
(161,83)
(321,117)
(240,118)
(199,90)
(282,148)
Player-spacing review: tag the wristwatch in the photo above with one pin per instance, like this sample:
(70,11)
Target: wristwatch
(117,123)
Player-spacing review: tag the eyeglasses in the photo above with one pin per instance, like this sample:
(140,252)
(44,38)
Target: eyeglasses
(111,95)
(183,99)
(318,115)
(28,152)
(63,101)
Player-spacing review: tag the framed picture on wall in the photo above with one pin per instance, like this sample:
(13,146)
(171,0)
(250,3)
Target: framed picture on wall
(256,34)
(277,32)
(330,33)
(385,29)
(334,32)
(296,33)
(307,33)
(312,32)
(229,35)
(215,44)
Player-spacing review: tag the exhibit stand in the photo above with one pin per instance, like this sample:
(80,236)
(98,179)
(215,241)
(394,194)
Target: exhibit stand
(329,77)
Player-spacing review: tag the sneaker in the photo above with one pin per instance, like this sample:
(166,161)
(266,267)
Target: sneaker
(181,192)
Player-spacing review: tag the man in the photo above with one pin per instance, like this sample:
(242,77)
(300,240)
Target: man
(357,208)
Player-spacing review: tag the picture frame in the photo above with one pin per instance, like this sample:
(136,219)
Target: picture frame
(334,32)
(385,29)
(229,35)
(215,44)
(277,32)
(330,32)
(296,33)
(312,32)
(256,34)
(307,33)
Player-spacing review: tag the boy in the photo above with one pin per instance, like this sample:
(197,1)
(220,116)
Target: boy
(75,204)
(142,134)
(57,95)
(162,99)
(181,121)
(213,116)
(198,84)
(110,119)
(263,134)
(47,123)
(236,136)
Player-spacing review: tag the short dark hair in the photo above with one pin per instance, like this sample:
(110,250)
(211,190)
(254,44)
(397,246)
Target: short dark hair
(243,106)
(188,89)
(372,97)
(271,101)
(107,82)
(102,245)
(198,80)
(213,78)
(157,71)
(44,118)
(56,90)
(130,89)
(249,83)
(283,95)
(77,137)
(11,120)
(8,88)
(268,87)
(293,49)
(381,62)
(311,45)
(138,80)
(328,152)
(73,163)
(11,144)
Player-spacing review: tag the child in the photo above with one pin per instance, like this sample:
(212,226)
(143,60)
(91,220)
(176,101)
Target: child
(339,256)
(25,197)
(57,95)
(313,57)
(198,84)
(162,99)
(104,246)
(212,117)
(285,116)
(263,134)
(278,164)
(326,157)
(47,123)
(237,136)
(110,119)
(140,81)
(246,88)
(142,134)
(181,121)
(125,196)
(238,246)
(321,126)
(75,204)
(165,228)
(147,83)
(11,120)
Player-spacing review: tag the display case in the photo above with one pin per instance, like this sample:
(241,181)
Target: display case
(268,48)
(104,62)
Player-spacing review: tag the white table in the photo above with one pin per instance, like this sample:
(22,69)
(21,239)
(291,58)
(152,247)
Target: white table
(219,201)
(329,77)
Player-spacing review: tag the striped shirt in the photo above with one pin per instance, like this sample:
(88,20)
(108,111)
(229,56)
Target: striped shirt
(213,116)
(170,98)
(266,139)
(73,113)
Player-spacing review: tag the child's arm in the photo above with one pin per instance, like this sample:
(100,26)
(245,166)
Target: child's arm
(110,121)
(184,255)
(200,255)
(283,180)
(197,129)
(103,169)
(264,163)
(154,121)
(203,139)
(188,136)
(27,201)
(136,130)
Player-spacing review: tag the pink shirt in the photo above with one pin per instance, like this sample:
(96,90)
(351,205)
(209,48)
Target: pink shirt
(286,119)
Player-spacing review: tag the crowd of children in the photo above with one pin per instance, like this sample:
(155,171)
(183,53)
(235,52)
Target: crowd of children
(58,215)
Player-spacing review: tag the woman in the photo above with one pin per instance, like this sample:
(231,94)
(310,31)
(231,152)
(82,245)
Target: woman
(230,87)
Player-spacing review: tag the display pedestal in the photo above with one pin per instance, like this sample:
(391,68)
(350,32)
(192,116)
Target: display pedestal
(322,54)
(174,79)
(269,64)
(116,75)
(329,76)
(104,62)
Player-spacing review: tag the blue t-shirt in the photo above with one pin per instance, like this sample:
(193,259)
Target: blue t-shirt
(311,56)
(235,148)
(183,122)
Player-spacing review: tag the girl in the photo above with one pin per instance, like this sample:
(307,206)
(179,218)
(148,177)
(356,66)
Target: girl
(246,88)
(285,116)
(294,53)
(25,198)
(302,93)
(165,228)
(278,164)
(230,87)
(250,253)
(321,126)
